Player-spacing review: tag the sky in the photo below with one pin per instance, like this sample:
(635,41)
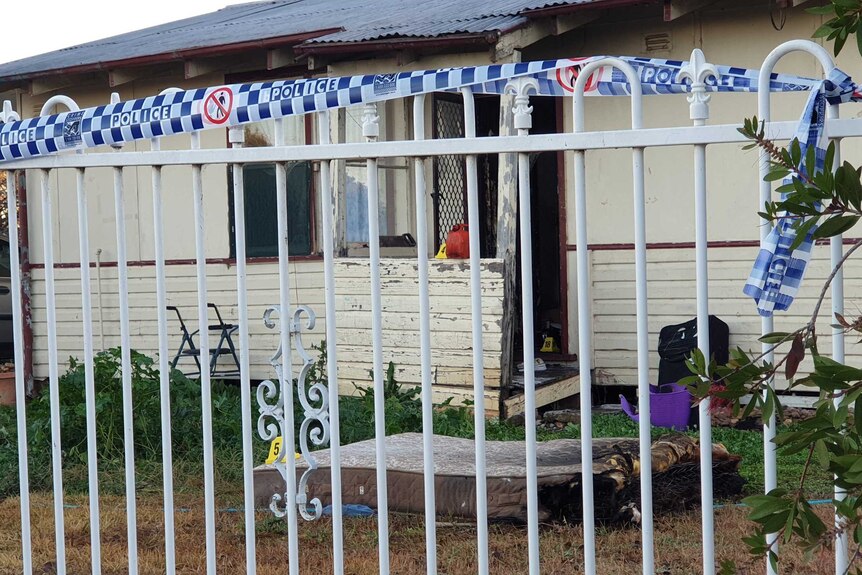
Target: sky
(31,28)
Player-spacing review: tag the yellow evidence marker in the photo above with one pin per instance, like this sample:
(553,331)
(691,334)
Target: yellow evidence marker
(275,450)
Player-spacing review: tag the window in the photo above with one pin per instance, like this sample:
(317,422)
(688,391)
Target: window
(261,197)
(356,181)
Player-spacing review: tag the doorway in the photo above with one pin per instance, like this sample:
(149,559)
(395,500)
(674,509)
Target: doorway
(450,208)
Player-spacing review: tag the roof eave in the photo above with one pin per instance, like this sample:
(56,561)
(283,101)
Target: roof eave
(174,56)
(569,8)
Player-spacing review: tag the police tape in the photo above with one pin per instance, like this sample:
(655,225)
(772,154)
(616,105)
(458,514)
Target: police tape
(188,111)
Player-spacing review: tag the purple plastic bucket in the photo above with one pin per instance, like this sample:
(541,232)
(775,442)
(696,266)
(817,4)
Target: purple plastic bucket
(670,406)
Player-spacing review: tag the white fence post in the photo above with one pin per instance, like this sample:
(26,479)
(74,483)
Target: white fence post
(767,324)
(698,72)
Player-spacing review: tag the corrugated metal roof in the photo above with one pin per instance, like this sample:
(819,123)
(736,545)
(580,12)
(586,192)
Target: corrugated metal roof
(423,29)
(357,20)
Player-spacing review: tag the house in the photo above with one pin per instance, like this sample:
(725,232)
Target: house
(280,39)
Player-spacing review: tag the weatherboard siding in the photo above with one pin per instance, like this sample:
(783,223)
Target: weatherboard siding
(672,300)
(451,341)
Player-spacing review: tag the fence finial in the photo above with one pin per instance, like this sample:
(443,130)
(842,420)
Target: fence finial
(7,114)
(522,88)
(370,122)
(698,71)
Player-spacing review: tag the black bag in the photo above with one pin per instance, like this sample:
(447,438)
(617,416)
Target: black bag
(676,342)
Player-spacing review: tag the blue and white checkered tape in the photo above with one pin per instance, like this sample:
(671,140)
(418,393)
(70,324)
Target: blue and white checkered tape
(237,104)
(776,274)
(778,271)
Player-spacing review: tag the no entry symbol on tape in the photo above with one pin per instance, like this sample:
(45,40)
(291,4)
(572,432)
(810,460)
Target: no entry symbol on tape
(567,77)
(218,105)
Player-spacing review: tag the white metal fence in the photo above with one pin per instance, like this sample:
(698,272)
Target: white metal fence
(276,406)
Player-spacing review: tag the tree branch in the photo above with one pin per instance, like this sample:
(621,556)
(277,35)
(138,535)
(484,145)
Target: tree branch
(829,280)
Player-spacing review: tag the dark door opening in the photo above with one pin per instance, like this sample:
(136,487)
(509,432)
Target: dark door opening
(549,304)
(450,177)
(450,207)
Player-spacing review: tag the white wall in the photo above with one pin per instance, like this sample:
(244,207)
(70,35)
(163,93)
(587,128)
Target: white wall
(733,36)
(737,36)
(450,317)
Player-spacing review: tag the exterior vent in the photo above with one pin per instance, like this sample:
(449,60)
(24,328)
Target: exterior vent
(657,42)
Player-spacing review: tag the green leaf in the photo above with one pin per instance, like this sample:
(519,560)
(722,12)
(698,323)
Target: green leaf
(811,158)
(839,41)
(768,404)
(828,367)
(795,151)
(776,174)
(802,232)
(835,225)
(823,30)
(788,525)
(775,337)
(821,453)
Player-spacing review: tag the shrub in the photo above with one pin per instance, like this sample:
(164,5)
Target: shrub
(186,418)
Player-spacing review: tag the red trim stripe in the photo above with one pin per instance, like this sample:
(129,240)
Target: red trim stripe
(686,245)
(190,262)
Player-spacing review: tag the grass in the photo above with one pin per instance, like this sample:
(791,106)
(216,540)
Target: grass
(677,543)
(677,538)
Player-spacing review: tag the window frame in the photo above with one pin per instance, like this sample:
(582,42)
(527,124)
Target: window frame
(288,73)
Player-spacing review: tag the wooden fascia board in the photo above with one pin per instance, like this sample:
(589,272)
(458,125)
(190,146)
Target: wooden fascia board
(674,9)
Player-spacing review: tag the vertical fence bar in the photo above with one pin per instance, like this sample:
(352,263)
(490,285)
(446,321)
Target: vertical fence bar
(164,367)
(371,130)
(478,348)
(585,319)
(204,347)
(53,375)
(645,419)
(324,127)
(89,374)
(237,138)
(836,252)
(425,341)
(286,375)
(698,71)
(523,121)
(703,344)
(770,476)
(20,391)
(585,335)
(126,364)
(766,323)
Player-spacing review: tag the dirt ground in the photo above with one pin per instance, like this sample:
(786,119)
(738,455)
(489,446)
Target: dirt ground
(677,541)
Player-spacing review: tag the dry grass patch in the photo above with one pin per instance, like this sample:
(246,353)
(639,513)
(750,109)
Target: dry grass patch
(677,539)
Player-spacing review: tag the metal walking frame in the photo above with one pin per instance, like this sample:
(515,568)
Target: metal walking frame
(225,346)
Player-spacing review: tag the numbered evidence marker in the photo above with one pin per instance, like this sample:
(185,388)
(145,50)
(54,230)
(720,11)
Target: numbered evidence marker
(275,451)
